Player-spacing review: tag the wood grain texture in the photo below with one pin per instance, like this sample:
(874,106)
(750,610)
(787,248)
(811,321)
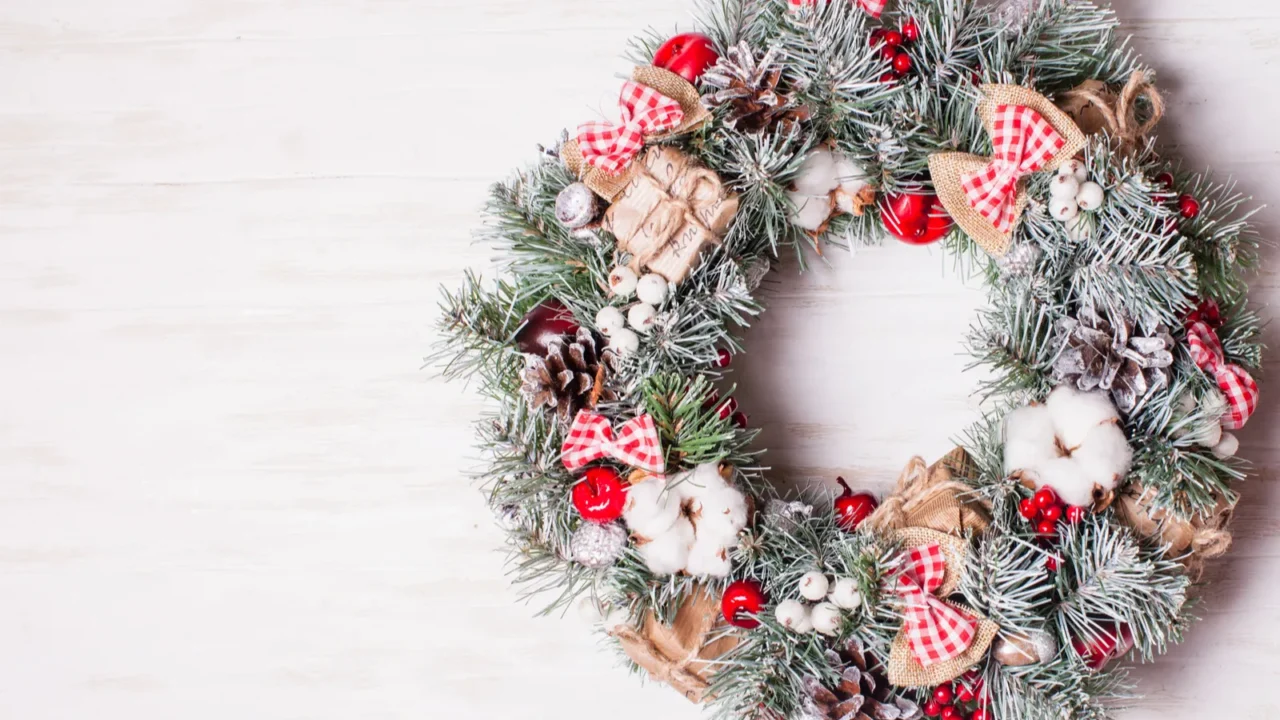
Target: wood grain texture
(226,487)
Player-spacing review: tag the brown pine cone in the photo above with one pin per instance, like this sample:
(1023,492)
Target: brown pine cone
(861,694)
(751,91)
(572,376)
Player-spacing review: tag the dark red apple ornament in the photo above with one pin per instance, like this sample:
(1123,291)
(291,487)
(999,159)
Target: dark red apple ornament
(600,495)
(547,321)
(688,55)
(852,508)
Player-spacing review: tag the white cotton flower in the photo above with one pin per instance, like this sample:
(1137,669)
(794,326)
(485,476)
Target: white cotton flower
(650,509)
(827,180)
(698,482)
(708,557)
(811,211)
(819,174)
(668,553)
(688,523)
(1074,443)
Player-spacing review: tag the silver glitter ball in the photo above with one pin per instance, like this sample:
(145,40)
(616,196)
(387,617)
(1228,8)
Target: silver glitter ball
(576,206)
(597,546)
(786,516)
(1021,260)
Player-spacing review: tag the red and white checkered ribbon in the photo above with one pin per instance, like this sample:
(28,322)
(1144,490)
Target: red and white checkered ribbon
(935,631)
(873,7)
(1024,143)
(1237,385)
(645,111)
(591,438)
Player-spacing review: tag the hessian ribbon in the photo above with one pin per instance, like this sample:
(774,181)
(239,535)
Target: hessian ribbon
(591,438)
(935,631)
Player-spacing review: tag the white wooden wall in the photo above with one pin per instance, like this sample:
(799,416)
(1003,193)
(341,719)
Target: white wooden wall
(227,490)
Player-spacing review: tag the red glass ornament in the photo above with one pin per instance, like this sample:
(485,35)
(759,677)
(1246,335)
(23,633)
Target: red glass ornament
(547,321)
(1046,529)
(688,55)
(910,31)
(1052,514)
(852,508)
(916,218)
(723,358)
(1045,497)
(1189,207)
(600,495)
(943,694)
(1077,514)
(729,407)
(932,708)
(902,63)
(892,38)
(741,420)
(741,602)
(1106,647)
(950,712)
(1028,509)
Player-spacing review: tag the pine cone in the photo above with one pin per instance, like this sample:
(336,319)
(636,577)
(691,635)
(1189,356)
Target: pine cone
(572,376)
(1098,353)
(861,694)
(749,89)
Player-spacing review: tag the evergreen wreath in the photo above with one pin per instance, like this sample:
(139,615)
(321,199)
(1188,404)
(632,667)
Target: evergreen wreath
(999,583)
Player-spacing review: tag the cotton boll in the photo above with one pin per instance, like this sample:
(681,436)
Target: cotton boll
(1104,457)
(819,174)
(811,211)
(724,515)
(825,618)
(853,180)
(709,558)
(1076,413)
(650,511)
(698,482)
(1028,438)
(1067,479)
(793,614)
(813,586)
(668,553)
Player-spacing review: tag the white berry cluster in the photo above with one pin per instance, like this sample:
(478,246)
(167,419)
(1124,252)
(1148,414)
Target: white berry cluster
(831,598)
(1071,192)
(650,290)
(1208,433)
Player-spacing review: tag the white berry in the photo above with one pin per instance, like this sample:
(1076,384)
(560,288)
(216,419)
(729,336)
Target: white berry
(1064,186)
(622,281)
(1076,168)
(792,614)
(845,594)
(1091,196)
(641,317)
(825,618)
(652,289)
(1229,446)
(814,586)
(1063,209)
(610,320)
(624,341)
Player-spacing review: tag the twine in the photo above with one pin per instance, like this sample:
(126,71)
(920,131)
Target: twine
(1096,107)
(1192,541)
(929,497)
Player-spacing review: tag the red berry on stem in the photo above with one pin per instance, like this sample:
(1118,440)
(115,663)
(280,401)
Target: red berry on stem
(1052,514)
(852,508)
(979,714)
(1047,529)
(688,55)
(902,63)
(741,420)
(1165,179)
(910,31)
(888,52)
(723,358)
(964,695)
(1028,509)
(741,602)
(1077,514)
(1051,562)
(892,38)
(1189,207)
(729,407)
(1045,497)
(877,37)
(933,708)
(888,78)
(951,713)
(600,495)
(943,694)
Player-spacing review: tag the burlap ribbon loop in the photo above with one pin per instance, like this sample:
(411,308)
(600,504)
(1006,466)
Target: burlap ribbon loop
(1095,107)
(1192,541)
(682,654)
(930,497)
(949,168)
(669,84)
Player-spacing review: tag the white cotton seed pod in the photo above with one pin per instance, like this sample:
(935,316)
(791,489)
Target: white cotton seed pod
(652,289)
(622,281)
(1028,438)
(708,558)
(641,318)
(1104,457)
(1091,197)
(668,553)
(610,320)
(819,174)
(844,594)
(813,586)
(1076,412)
(1075,168)
(1066,479)
(810,211)
(724,515)
(1064,187)
(792,614)
(702,480)
(1229,446)
(624,341)
(650,510)
(825,618)
(1064,209)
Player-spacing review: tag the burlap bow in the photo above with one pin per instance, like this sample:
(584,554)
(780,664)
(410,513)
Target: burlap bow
(986,196)
(591,438)
(609,184)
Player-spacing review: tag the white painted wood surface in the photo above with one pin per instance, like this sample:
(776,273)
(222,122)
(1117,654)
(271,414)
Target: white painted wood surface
(226,488)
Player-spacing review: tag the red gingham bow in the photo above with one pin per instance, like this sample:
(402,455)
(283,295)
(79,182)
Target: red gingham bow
(1024,143)
(1235,382)
(935,631)
(645,111)
(873,7)
(591,438)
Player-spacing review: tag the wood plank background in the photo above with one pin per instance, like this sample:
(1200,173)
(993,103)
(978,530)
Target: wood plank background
(227,490)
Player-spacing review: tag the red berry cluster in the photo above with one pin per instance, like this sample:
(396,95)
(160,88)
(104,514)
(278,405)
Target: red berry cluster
(966,699)
(1188,206)
(1046,511)
(891,43)
(727,409)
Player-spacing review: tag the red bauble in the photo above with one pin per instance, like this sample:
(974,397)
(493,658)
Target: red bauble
(1028,509)
(1077,514)
(547,321)
(1189,207)
(943,694)
(723,358)
(1108,646)
(741,420)
(910,31)
(600,495)
(1046,529)
(892,38)
(741,602)
(688,55)
(852,508)
(1052,514)
(932,708)
(916,218)
(902,63)
(1045,497)
(729,407)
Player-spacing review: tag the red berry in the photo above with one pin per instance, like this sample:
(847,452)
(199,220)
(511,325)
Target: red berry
(1077,514)
(943,694)
(713,397)
(723,358)
(888,78)
(1045,497)
(741,602)
(1189,207)
(979,714)
(1052,514)
(1028,509)
(1047,529)
(892,38)
(1165,179)
(729,407)
(1051,562)
(964,695)
(951,713)
(852,508)
(902,63)
(933,708)
(888,52)
(740,419)
(600,496)
(877,37)
(910,31)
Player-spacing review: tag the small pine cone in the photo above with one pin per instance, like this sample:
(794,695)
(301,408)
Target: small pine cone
(1101,354)
(751,91)
(570,377)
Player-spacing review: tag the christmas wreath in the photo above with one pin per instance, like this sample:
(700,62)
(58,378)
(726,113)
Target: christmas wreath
(1001,581)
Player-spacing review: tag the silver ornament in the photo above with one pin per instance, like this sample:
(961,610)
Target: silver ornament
(1033,648)
(1021,260)
(1013,14)
(576,206)
(785,516)
(597,546)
